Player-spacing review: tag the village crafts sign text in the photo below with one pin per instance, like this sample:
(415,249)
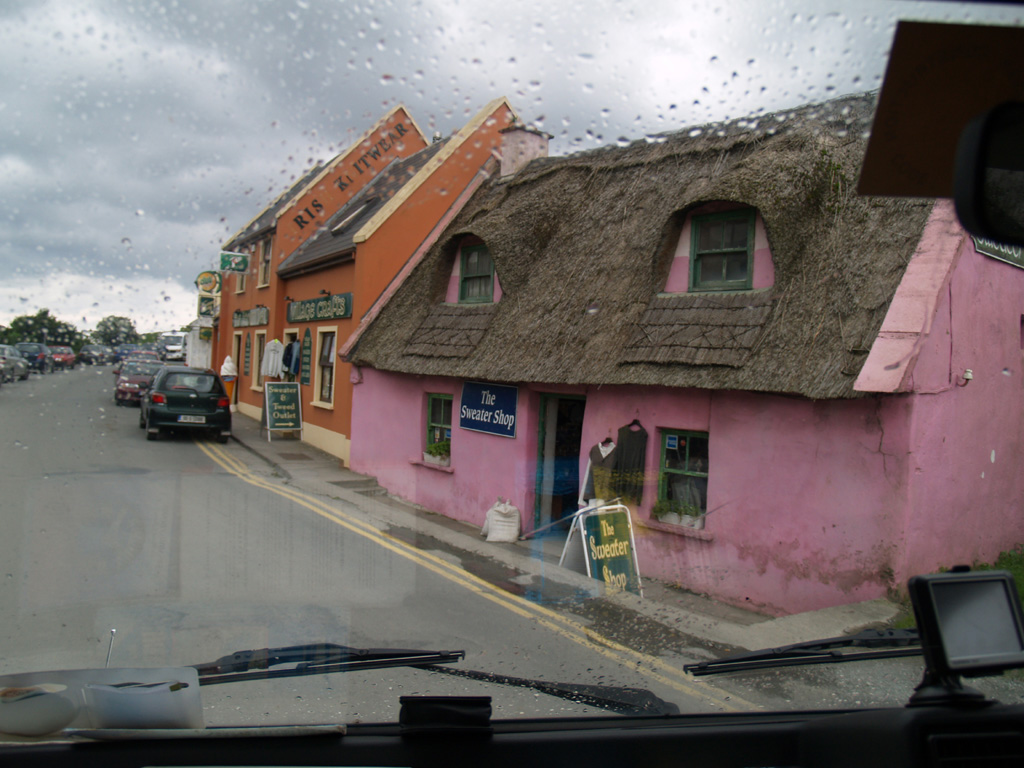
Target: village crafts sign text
(338,306)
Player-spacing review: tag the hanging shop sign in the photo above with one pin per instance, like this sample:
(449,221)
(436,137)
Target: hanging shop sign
(489,408)
(208,283)
(245,318)
(609,548)
(306,361)
(207,306)
(234,262)
(1011,254)
(335,307)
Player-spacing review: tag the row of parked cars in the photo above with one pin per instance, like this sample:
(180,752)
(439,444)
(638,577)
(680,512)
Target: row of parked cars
(172,397)
(17,361)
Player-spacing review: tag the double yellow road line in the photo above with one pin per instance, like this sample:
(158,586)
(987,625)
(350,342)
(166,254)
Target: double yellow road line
(563,626)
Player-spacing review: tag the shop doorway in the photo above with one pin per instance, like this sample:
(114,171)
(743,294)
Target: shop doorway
(558,458)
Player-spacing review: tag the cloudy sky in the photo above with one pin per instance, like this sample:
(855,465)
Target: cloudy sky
(136,137)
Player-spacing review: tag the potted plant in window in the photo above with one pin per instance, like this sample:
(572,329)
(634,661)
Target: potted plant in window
(666,511)
(678,513)
(691,516)
(438,453)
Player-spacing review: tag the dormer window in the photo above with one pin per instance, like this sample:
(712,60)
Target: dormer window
(722,251)
(476,275)
(473,278)
(346,222)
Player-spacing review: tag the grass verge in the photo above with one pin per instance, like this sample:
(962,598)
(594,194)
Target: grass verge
(1011,560)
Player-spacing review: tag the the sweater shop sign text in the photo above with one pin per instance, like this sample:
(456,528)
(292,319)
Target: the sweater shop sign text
(489,408)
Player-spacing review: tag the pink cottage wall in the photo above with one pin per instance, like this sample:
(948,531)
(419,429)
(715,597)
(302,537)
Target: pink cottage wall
(389,416)
(806,497)
(967,493)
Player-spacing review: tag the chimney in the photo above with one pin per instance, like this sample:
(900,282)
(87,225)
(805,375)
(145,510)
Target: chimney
(520,145)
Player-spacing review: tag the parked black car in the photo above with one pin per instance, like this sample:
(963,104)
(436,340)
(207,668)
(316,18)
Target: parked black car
(186,398)
(93,354)
(38,356)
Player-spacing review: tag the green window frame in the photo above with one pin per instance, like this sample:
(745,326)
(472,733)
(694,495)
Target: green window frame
(439,419)
(722,251)
(476,275)
(683,470)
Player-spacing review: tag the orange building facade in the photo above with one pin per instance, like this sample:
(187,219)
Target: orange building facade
(323,252)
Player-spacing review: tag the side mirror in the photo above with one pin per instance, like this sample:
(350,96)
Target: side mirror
(988,184)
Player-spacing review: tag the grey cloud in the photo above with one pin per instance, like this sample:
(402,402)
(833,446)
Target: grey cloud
(197,114)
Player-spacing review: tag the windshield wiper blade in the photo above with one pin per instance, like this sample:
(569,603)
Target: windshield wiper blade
(881,644)
(613,698)
(314,659)
(319,658)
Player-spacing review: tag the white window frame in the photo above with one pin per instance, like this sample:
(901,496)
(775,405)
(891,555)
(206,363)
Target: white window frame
(317,370)
(263,273)
(259,344)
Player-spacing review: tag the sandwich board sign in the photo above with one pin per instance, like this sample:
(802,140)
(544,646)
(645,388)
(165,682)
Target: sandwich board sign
(609,549)
(282,407)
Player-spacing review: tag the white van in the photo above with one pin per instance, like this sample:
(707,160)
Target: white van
(174,345)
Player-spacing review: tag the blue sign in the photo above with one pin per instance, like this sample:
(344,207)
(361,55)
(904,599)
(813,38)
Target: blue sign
(489,408)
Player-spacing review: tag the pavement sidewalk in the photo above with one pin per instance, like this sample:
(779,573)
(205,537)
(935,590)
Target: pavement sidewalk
(535,561)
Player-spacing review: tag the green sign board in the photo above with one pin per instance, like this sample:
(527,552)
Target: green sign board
(234,262)
(336,307)
(1011,254)
(248,354)
(207,306)
(609,549)
(282,405)
(306,361)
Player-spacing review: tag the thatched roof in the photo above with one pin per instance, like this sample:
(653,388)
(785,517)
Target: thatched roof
(582,246)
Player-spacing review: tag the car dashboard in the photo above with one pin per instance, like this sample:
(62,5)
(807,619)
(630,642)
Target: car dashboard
(946,737)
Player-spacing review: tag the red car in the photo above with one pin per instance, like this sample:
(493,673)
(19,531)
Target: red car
(64,357)
(136,356)
(134,381)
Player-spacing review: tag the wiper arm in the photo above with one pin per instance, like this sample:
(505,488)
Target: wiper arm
(314,659)
(882,644)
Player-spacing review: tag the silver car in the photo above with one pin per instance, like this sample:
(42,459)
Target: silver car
(12,364)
